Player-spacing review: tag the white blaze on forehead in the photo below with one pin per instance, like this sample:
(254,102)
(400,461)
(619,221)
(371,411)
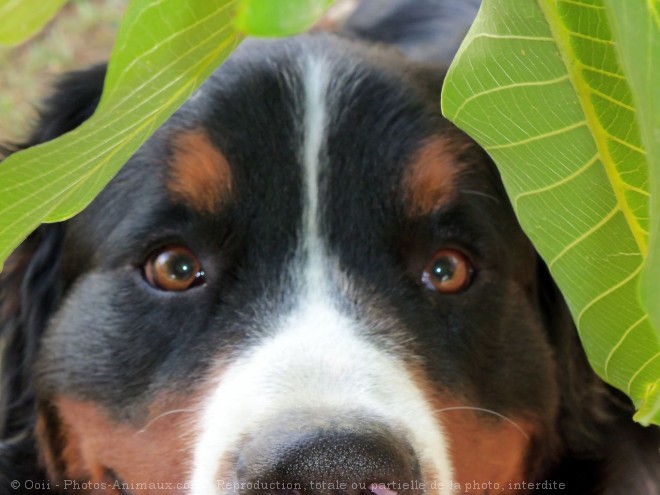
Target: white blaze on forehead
(316,78)
(315,357)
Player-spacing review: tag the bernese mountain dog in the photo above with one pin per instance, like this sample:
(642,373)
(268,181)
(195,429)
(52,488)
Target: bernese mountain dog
(306,282)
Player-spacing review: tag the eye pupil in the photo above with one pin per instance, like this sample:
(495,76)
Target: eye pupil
(448,271)
(180,266)
(444,269)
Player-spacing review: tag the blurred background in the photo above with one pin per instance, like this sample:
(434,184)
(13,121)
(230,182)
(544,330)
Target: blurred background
(81,34)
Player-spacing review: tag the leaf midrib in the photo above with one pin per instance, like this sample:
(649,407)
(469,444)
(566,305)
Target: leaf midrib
(583,90)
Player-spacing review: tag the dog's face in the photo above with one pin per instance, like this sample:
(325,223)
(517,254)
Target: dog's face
(305,276)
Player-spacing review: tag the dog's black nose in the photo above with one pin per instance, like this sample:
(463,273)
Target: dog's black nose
(327,457)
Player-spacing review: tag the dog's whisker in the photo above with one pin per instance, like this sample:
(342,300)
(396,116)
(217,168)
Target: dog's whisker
(489,411)
(160,416)
(480,193)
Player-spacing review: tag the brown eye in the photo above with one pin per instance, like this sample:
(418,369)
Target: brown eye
(447,272)
(173,268)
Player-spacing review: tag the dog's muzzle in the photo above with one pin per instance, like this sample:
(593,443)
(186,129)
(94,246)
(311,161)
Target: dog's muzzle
(302,453)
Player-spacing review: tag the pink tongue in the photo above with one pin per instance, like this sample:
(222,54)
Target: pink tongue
(381,489)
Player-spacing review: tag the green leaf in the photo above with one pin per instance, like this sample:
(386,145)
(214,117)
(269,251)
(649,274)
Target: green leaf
(636,28)
(163,52)
(538,84)
(278,17)
(638,45)
(22,19)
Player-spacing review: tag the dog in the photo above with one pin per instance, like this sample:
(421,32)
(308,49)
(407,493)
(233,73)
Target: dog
(307,281)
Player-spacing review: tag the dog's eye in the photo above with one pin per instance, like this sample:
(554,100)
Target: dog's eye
(173,268)
(448,271)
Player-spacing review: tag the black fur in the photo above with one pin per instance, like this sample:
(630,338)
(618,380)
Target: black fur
(30,288)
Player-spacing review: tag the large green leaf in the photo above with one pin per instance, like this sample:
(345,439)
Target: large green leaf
(636,29)
(165,49)
(538,84)
(638,46)
(22,19)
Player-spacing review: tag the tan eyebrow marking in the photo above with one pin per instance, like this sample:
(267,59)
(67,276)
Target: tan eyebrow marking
(199,173)
(430,180)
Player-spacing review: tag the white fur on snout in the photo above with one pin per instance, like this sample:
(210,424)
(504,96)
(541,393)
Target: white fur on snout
(317,361)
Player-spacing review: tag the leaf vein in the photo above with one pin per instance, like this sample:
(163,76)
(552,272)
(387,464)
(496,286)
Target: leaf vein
(636,189)
(538,137)
(584,235)
(96,152)
(585,5)
(586,37)
(600,71)
(173,36)
(620,342)
(546,82)
(624,143)
(612,100)
(558,183)
(599,132)
(639,371)
(513,37)
(606,293)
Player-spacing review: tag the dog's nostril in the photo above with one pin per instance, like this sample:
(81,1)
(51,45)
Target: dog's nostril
(304,458)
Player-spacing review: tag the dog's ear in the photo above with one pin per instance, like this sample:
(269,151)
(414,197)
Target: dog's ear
(30,281)
(76,96)
(29,292)
(425,30)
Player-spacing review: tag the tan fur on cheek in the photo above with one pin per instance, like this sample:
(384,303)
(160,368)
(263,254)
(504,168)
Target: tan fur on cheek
(489,456)
(92,445)
(489,453)
(200,175)
(57,451)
